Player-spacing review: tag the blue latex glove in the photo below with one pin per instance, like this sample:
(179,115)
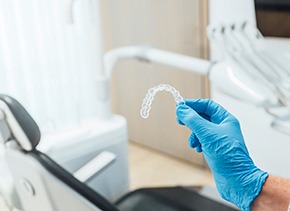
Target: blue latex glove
(217,133)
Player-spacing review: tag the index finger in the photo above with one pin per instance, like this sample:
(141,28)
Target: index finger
(216,113)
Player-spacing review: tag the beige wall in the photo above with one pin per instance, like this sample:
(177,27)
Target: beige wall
(173,25)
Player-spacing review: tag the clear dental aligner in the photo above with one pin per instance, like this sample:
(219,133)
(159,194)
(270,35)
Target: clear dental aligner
(148,99)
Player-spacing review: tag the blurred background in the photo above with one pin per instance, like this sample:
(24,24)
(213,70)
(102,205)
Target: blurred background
(51,60)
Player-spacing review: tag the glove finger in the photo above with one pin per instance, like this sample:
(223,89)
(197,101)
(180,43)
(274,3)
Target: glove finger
(192,119)
(216,113)
(193,141)
(199,148)
(179,121)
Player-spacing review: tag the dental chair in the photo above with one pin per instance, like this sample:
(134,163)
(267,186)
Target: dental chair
(41,184)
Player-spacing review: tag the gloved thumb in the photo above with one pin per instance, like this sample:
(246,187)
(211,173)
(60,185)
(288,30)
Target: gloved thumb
(192,119)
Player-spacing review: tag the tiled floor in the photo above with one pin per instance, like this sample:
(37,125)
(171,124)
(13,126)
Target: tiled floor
(149,168)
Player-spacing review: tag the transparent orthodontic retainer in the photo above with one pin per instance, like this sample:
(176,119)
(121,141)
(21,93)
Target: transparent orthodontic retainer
(148,99)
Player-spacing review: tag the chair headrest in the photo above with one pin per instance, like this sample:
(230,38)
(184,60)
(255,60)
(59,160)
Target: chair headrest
(23,128)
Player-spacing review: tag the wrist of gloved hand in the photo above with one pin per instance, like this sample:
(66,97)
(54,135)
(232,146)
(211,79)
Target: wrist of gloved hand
(243,189)
(252,187)
(217,133)
(237,179)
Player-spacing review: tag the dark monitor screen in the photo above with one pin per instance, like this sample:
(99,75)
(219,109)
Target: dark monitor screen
(273,17)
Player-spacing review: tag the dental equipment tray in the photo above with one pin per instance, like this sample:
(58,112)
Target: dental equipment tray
(171,199)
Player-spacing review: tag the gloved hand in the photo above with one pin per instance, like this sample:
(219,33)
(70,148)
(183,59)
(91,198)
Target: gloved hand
(217,133)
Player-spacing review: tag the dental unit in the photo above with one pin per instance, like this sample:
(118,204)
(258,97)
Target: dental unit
(247,71)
